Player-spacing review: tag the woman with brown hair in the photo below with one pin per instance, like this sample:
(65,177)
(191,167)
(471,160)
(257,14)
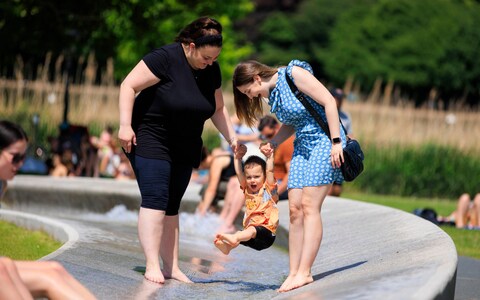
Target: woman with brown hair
(316,159)
(164,103)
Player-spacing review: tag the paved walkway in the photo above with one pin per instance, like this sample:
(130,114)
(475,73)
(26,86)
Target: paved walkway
(368,251)
(468,279)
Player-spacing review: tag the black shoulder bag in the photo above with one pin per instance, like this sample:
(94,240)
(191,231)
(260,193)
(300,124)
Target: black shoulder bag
(352,153)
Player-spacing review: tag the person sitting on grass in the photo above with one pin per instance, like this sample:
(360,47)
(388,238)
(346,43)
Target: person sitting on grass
(261,216)
(467,214)
(30,279)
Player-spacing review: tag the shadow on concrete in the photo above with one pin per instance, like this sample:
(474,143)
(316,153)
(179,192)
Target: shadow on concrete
(325,274)
(242,286)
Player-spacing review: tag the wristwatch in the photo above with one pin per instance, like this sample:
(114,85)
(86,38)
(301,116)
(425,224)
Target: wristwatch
(336,140)
(274,144)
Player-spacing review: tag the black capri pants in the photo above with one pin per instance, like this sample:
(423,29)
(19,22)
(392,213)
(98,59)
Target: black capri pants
(162,183)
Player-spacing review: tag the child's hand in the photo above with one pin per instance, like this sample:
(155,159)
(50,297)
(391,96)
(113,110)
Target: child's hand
(266,149)
(240,151)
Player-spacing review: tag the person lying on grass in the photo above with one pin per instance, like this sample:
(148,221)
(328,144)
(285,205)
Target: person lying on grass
(261,216)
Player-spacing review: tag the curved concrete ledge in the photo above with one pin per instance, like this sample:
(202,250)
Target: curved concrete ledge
(40,193)
(368,251)
(375,252)
(59,230)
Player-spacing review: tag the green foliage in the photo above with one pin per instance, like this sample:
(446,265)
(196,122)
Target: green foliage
(467,242)
(301,34)
(36,135)
(211,139)
(22,244)
(140,26)
(417,44)
(123,29)
(426,171)
(33,28)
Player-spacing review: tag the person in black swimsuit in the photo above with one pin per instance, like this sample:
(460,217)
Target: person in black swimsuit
(179,88)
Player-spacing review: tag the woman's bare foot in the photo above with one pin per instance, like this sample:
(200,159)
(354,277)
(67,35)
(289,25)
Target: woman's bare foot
(286,283)
(298,281)
(154,274)
(222,246)
(176,274)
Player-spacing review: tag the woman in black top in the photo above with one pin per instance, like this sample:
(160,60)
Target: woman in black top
(179,88)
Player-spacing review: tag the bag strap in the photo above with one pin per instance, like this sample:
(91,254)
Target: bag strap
(309,106)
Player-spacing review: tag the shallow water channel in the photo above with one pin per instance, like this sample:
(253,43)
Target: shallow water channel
(243,274)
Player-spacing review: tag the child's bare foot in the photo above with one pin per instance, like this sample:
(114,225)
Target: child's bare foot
(229,238)
(222,246)
(154,274)
(176,274)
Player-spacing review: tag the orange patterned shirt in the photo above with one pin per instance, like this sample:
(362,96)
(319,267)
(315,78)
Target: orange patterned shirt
(261,208)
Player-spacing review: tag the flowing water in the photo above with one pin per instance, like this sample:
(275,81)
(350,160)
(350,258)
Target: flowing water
(244,274)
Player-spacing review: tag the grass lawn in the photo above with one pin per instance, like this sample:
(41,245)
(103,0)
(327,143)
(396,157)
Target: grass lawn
(467,242)
(22,244)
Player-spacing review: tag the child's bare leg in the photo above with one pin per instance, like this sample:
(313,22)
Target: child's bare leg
(239,236)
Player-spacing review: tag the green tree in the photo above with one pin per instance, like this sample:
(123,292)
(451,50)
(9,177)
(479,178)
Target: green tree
(301,34)
(140,26)
(123,29)
(416,44)
(32,28)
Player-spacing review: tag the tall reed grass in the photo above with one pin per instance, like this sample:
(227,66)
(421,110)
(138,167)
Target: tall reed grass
(399,126)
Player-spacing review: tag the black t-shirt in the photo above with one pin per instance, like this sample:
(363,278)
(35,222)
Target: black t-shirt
(168,117)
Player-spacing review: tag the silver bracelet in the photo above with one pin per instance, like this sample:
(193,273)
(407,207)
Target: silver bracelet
(230,141)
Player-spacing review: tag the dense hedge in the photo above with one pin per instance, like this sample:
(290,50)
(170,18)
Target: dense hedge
(425,171)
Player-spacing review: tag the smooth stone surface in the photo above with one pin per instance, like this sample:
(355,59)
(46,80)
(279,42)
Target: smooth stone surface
(368,251)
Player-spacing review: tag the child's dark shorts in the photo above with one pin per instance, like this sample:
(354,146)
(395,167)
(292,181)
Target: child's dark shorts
(263,240)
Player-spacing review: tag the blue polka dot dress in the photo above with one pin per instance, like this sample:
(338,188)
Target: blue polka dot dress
(311,164)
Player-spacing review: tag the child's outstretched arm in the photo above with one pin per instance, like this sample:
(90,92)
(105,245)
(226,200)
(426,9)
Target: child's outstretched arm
(269,169)
(239,153)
